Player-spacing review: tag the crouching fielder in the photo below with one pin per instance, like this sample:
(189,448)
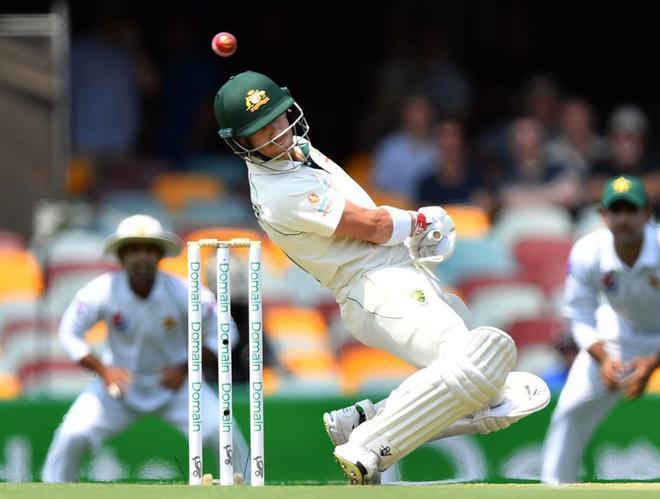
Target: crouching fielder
(146,366)
(328,225)
(612,298)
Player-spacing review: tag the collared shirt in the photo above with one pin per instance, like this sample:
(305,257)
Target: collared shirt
(300,205)
(597,275)
(144,334)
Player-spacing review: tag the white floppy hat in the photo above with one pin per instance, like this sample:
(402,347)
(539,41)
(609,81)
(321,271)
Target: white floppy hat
(142,229)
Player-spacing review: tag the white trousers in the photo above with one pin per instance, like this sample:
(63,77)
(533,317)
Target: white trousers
(94,416)
(584,401)
(403,311)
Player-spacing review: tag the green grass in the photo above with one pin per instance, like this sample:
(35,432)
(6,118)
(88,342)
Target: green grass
(453,491)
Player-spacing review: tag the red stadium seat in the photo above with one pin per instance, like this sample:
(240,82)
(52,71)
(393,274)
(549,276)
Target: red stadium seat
(540,331)
(538,252)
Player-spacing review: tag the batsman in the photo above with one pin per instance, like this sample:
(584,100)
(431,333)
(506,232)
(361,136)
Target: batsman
(373,260)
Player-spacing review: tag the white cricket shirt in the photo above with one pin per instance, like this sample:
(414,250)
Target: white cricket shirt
(144,334)
(299,206)
(596,275)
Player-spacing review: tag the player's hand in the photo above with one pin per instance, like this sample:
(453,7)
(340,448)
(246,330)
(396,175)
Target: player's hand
(611,372)
(172,377)
(638,371)
(116,380)
(439,237)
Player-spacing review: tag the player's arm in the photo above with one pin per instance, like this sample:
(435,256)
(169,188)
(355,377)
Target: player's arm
(79,317)
(382,225)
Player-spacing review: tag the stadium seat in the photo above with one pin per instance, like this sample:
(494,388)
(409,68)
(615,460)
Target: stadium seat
(550,278)
(299,337)
(476,257)
(228,168)
(543,261)
(538,331)
(10,386)
(21,309)
(358,166)
(174,189)
(471,221)
(11,240)
(500,305)
(587,221)
(514,223)
(21,275)
(364,369)
(75,245)
(531,253)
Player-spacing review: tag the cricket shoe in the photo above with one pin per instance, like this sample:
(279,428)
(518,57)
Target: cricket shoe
(359,463)
(341,422)
(522,394)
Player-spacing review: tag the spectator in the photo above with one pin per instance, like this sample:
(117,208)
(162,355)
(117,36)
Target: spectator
(188,125)
(628,132)
(409,152)
(109,71)
(529,177)
(455,180)
(539,98)
(577,147)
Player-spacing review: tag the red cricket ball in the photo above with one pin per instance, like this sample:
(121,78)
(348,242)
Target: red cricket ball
(224,44)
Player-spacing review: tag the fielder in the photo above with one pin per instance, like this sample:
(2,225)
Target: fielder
(612,298)
(146,370)
(329,226)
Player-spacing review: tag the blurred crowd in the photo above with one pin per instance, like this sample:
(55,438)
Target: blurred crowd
(418,124)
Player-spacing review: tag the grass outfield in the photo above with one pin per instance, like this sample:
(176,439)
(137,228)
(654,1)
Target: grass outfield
(453,491)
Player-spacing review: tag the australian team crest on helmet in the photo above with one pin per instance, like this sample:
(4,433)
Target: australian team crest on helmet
(254,99)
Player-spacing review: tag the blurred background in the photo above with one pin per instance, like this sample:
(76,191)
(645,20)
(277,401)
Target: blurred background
(511,114)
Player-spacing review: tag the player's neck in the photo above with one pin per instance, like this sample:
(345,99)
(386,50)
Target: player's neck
(628,253)
(142,288)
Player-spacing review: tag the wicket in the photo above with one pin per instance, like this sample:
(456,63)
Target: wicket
(225,387)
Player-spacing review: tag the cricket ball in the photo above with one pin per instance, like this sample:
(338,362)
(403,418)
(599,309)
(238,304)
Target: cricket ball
(224,44)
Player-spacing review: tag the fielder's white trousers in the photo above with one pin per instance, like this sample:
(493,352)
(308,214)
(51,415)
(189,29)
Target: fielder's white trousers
(94,416)
(584,401)
(403,311)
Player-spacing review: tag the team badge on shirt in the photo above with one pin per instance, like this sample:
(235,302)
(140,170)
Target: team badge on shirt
(118,321)
(169,322)
(254,99)
(654,281)
(418,295)
(322,204)
(609,282)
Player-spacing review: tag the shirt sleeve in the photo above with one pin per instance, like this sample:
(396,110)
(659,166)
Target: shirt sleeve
(79,317)
(581,298)
(309,204)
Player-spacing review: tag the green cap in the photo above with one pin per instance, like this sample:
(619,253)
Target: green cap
(625,188)
(248,102)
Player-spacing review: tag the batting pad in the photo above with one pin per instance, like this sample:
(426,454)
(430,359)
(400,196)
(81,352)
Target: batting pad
(462,381)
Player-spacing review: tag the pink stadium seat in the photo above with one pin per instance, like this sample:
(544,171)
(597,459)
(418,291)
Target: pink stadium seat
(540,331)
(11,239)
(537,252)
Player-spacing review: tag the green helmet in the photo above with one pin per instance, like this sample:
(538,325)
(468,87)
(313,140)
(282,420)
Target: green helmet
(248,102)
